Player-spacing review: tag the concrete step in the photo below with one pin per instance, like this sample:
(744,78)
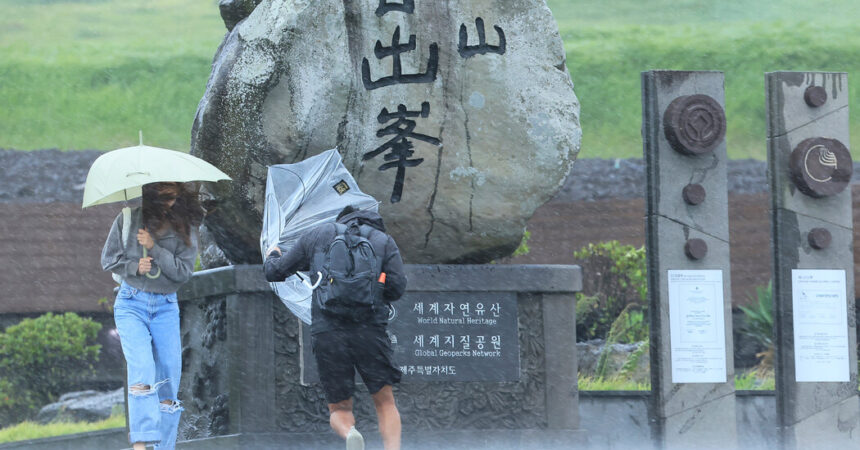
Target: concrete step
(416,440)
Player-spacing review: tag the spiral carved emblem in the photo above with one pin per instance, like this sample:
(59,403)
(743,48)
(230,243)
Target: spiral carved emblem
(821,167)
(694,124)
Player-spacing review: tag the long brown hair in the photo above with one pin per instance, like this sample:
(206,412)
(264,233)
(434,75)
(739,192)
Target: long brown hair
(185,213)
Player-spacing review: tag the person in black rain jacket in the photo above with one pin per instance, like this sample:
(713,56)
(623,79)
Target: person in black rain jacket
(342,346)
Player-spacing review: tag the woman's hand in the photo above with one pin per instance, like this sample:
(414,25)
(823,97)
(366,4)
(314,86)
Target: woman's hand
(145,239)
(144,265)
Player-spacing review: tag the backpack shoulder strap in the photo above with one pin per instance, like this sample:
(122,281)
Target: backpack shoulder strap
(365,230)
(339,229)
(124,230)
(375,236)
(126,221)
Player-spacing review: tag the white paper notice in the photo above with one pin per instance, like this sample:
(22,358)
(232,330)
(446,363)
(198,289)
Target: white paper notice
(820,325)
(697,326)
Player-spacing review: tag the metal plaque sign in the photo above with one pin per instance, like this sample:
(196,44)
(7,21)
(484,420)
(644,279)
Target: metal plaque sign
(450,336)
(820,326)
(697,326)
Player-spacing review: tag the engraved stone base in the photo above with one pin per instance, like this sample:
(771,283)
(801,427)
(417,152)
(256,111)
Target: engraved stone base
(241,356)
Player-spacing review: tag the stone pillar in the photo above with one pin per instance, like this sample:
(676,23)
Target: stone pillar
(228,352)
(687,233)
(562,390)
(251,362)
(815,335)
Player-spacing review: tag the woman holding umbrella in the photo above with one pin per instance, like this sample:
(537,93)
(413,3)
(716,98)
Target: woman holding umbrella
(151,249)
(157,258)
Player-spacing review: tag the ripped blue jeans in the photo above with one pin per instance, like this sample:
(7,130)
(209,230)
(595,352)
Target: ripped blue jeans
(148,327)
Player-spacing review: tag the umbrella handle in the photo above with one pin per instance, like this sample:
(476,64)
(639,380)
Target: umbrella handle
(158,273)
(308,284)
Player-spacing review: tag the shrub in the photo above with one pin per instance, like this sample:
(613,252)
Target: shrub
(759,327)
(751,381)
(41,358)
(15,404)
(628,327)
(587,383)
(614,289)
(622,382)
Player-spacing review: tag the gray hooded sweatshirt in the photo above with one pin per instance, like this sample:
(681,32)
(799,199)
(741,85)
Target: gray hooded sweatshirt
(170,254)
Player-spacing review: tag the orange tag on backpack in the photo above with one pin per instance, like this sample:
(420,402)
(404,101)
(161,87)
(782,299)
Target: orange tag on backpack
(382,277)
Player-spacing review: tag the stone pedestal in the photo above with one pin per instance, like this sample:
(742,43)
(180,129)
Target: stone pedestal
(242,353)
(683,129)
(809,169)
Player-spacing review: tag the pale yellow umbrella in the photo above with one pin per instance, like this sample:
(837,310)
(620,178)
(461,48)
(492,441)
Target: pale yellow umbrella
(119,175)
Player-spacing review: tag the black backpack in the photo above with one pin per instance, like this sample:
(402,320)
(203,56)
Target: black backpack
(350,288)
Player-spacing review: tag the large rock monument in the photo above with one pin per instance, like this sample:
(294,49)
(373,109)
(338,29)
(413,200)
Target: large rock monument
(459,116)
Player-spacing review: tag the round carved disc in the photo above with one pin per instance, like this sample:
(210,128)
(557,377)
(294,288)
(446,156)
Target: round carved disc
(821,167)
(694,124)
(819,238)
(694,194)
(695,249)
(815,96)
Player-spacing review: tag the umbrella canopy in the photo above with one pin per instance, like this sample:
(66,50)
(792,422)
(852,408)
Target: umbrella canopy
(299,197)
(119,174)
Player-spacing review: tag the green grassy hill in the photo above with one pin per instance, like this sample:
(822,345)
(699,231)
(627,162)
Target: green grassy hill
(78,74)
(609,43)
(87,74)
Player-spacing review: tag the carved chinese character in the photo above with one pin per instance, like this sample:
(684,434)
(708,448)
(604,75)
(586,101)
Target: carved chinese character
(407,6)
(399,146)
(397,75)
(467,51)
